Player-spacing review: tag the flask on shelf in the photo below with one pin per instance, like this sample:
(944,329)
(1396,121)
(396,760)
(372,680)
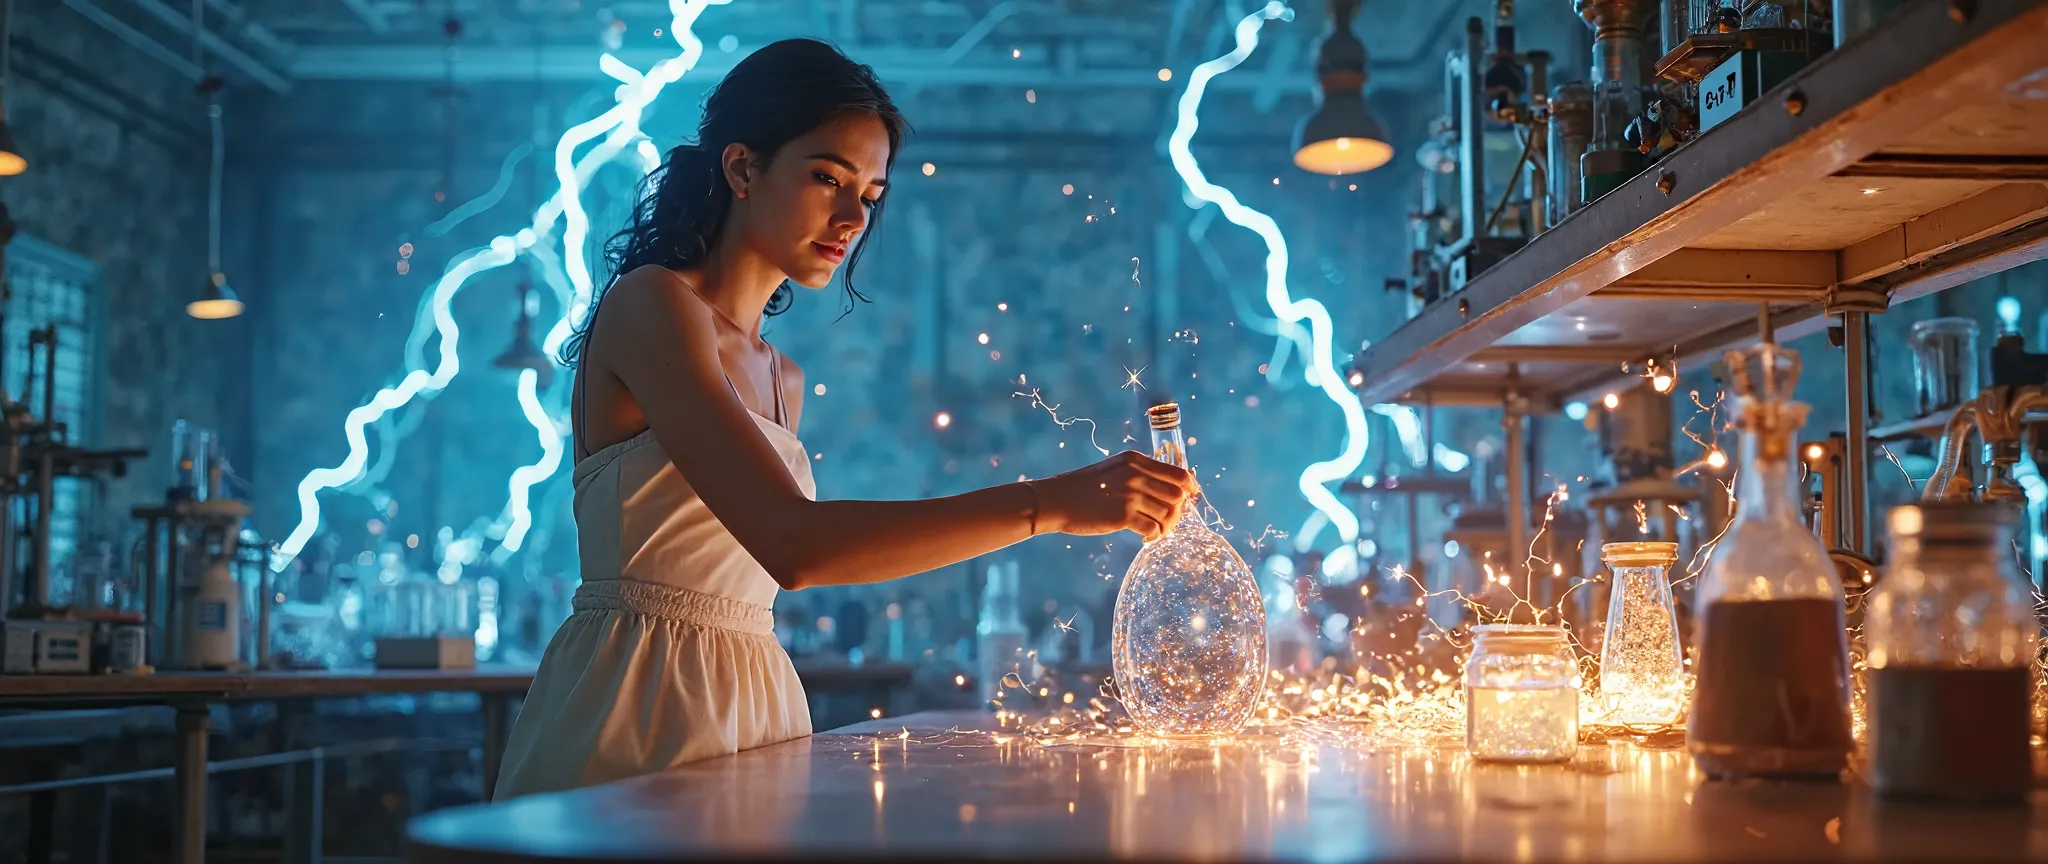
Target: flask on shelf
(1521,694)
(1771,675)
(1945,363)
(1189,637)
(1642,669)
(1000,635)
(1951,635)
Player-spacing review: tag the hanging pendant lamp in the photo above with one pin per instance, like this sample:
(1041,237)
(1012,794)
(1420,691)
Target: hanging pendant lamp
(11,160)
(216,300)
(524,353)
(1342,136)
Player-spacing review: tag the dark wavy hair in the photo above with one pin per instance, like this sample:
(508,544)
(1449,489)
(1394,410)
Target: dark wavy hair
(774,95)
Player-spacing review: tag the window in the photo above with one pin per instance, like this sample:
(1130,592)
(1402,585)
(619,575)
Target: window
(49,286)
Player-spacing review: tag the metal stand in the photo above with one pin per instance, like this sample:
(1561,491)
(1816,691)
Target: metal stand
(189,834)
(1513,409)
(1855,305)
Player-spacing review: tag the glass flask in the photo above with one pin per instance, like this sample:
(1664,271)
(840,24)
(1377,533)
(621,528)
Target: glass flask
(1945,363)
(1951,635)
(1521,694)
(1771,675)
(1189,637)
(1642,668)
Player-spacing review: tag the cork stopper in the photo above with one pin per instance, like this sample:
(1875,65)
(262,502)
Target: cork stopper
(1763,378)
(1164,416)
(1647,553)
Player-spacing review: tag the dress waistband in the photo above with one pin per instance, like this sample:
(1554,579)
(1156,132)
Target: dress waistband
(674,603)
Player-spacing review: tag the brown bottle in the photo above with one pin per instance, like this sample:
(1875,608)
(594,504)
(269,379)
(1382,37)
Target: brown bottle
(1771,674)
(1950,697)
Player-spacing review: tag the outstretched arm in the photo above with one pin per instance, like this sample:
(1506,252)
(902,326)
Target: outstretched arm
(675,377)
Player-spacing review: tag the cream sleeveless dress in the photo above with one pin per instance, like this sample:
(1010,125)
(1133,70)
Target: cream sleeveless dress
(669,655)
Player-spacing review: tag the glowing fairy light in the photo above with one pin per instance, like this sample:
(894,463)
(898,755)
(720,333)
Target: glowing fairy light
(620,128)
(1321,370)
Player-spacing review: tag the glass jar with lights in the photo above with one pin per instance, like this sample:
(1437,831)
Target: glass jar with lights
(1642,668)
(1521,694)
(1641,500)
(1951,668)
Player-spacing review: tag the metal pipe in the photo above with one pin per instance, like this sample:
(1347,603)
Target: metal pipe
(1618,44)
(1570,128)
(1517,470)
(1998,416)
(265,598)
(250,66)
(1472,134)
(1856,452)
(8,472)
(45,496)
(372,17)
(248,763)
(996,15)
(1539,142)
(1943,484)
(136,39)
(1677,23)
(49,346)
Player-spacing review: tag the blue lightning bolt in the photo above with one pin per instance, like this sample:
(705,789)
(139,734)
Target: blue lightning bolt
(1320,370)
(620,128)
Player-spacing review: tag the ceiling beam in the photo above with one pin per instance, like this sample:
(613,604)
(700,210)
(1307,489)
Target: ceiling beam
(910,66)
(371,16)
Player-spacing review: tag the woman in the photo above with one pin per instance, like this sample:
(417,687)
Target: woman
(694,500)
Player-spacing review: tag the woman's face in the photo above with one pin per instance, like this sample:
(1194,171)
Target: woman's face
(804,209)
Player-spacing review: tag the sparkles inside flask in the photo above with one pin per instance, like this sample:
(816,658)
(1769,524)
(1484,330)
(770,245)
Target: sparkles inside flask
(1190,630)
(1771,688)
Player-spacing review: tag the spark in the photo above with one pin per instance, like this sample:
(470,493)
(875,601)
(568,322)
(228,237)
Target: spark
(1321,372)
(620,127)
(1131,381)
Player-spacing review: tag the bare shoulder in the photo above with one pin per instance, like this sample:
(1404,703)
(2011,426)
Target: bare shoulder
(651,300)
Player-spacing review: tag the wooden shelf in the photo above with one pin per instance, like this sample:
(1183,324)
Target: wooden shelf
(1915,161)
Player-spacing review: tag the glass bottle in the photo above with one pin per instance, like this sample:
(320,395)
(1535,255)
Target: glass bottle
(1642,668)
(1189,637)
(1000,634)
(1950,680)
(1771,690)
(1521,694)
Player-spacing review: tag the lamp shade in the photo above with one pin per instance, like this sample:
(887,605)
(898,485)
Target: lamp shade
(216,300)
(522,353)
(1341,137)
(11,160)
